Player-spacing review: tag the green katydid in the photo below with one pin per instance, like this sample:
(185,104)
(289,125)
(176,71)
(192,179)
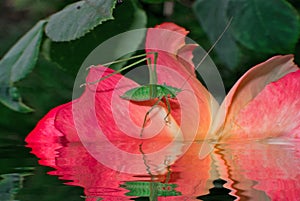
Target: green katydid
(153,90)
(147,92)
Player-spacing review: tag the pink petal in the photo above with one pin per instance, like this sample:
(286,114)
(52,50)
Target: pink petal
(167,36)
(275,111)
(174,68)
(230,123)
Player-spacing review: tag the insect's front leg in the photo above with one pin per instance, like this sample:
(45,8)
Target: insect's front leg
(147,114)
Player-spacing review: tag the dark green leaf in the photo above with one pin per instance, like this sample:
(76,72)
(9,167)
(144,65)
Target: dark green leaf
(79,18)
(16,64)
(212,16)
(70,55)
(265,26)
(44,88)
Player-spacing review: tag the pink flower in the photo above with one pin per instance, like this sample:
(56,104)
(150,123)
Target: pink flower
(264,103)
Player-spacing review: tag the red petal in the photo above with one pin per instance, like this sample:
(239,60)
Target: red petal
(45,139)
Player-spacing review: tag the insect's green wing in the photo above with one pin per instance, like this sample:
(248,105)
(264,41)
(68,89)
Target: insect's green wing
(169,91)
(144,93)
(141,93)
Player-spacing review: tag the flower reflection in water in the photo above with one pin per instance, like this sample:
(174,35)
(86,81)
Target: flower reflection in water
(270,166)
(72,162)
(262,170)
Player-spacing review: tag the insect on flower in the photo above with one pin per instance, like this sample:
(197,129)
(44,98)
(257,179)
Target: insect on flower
(153,90)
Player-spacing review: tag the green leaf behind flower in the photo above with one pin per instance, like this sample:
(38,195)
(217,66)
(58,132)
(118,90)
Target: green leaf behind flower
(265,26)
(16,64)
(79,18)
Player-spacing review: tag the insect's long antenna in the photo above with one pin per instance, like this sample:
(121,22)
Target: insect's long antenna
(209,51)
(117,71)
(120,70)
(119,61)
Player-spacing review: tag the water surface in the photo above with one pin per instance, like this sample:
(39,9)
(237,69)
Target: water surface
(248,170)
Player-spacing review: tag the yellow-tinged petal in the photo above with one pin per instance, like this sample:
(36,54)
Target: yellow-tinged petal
(227,122)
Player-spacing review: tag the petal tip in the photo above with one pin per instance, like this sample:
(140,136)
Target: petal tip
(173,27)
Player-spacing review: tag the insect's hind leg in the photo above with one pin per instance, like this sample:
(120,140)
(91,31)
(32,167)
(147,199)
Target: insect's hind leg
(147,114)
(169,110)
